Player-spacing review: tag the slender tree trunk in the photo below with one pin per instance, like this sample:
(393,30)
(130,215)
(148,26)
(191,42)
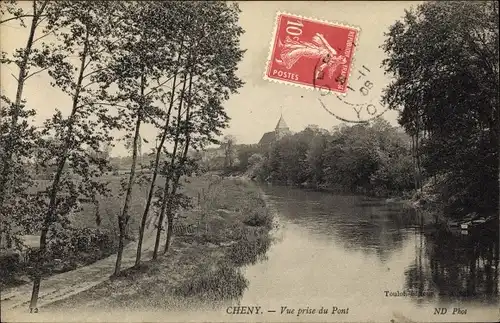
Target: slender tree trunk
(124,216)
(175,185)
(21,79)
(97,214)
(155,174)
(169,173)
(417,152)
(164,202)
(49,217)
(170,215)
(413,158)
(156,165)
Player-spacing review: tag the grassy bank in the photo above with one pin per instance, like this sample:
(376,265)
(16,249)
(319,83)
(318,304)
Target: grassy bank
(230,227)
(92,235)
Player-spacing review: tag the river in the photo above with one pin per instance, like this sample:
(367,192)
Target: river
(356,254)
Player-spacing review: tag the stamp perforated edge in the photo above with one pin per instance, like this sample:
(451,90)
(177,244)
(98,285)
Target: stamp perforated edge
(326,22)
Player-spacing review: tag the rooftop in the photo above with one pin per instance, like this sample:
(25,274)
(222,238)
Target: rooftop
(281,123)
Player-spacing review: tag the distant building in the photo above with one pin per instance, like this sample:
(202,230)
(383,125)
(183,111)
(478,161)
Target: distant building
(279,132)
(212,158)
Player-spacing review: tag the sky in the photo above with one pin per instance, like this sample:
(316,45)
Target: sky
(259,103)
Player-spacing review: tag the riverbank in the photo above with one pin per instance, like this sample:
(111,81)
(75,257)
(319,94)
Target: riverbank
(229,228)
(427,211)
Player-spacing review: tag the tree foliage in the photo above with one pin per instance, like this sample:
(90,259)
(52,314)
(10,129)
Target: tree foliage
(228,144)
(170,65)
(444,59)
(17,135)
(210,59)
(371,159)
(74,149)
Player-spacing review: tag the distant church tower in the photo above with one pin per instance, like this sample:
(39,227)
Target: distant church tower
(279,132)
(281,129)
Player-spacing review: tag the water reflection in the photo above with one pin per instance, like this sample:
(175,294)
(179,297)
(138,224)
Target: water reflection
(355,222)
(447,267)
(456,266)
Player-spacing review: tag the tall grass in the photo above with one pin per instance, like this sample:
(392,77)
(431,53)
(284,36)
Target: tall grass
(92,235)
(231,229)
(224,283)
(233,211)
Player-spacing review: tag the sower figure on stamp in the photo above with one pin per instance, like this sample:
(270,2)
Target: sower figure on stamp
(292,51)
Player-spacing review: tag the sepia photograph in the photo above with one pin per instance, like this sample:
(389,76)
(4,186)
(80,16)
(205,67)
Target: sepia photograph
(249,161)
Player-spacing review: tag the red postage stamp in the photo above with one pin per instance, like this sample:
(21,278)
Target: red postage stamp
(311,53)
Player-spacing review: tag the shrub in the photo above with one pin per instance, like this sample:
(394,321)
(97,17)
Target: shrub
(259,218)
(10,263)
(225,283)
(250,249)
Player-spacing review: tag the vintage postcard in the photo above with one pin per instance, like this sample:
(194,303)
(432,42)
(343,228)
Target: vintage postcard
(253,161)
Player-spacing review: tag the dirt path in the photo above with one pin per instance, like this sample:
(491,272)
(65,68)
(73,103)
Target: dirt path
(66,284)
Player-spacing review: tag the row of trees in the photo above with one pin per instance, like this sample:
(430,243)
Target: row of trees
(450,158)
(443,57)
(227,157)
(371,158)
(449,155)
(123,64)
